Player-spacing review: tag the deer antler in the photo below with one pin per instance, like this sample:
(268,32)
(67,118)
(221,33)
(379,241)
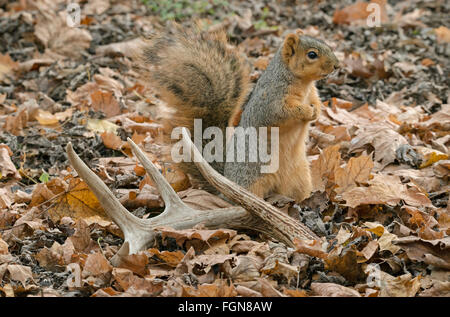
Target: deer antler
(139,233)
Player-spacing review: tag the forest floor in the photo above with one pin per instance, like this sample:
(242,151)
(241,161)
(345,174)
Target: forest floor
(379,153)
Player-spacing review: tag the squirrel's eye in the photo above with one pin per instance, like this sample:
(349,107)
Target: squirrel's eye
(312,55)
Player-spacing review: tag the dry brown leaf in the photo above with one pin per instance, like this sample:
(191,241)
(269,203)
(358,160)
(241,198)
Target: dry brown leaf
(281,269)
(41,194)
(345,263)
(368,251)
(58,37)
(20,273)
(96,264)
(146,198)
(310,247)
(355,172)
(442,34)
(141,128)
(5,199)
(430,156)
(126,280)
(112,141)
(202,200)
(277,263)
(8,290)
(105,102)
(438,120)
(384,139)
(16,124)
(96,7)
(6,65)
(81,240)
(202,264)
(77,202)
(171,258)
(219,288)
(425,178)
(126,48)
(333,290)
(51,258)
(295,292)
(3,247)
(268,288)
(246,268)
(203,235)
(400,286)
(176,178)
(439,289)
(47,118)
(136,263)
(358,12)
(385,189)
(323,169)
(106,292)
(247,292)
(433,252)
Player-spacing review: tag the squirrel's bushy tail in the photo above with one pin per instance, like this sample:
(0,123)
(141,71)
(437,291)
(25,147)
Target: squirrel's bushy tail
(199,76)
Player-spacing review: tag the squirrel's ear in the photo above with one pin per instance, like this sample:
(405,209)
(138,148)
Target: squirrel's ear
(290,46)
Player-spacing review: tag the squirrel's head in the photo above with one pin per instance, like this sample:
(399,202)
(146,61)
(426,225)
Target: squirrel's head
(307,57)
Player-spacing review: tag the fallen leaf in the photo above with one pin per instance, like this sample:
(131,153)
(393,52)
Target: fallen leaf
(3,247)
(433,252)
(111,141)
(96,264)
(203,235)
(5,199)
(345,263)
(246,268)
(310,247)
(20,273)
(356,171)
(127,281)
(369,250)
(385,189)
(442,34)
(58,37)
(16,123)
(105,102)
(77,202)
(171,258)
(323,169)
(384,139)
(51,258)
(219,288)
(439,289)
(202,200)
(430,156)
(400,286)
(101,126)
(6,65)
(333,290)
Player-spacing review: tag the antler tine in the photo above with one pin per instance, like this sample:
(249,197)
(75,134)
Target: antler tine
(172,201)
(285,228)
(136,231)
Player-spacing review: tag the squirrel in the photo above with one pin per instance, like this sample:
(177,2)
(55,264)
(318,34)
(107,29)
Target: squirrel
(201,76)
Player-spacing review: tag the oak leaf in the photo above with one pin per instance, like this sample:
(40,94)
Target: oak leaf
(356,171)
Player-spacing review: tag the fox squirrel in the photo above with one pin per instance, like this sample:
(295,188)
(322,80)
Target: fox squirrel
(200,76)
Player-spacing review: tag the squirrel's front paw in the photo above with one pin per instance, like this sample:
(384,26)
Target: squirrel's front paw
(309,112)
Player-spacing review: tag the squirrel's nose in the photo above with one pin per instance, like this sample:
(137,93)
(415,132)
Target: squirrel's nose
(336,66)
